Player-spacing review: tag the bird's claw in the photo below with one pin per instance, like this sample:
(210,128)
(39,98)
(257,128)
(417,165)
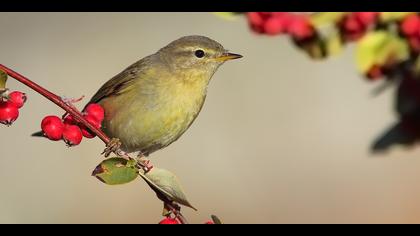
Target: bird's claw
(71,101)
(145,163)
(112,147)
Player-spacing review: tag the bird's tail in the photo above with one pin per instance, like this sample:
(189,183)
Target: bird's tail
(38,134)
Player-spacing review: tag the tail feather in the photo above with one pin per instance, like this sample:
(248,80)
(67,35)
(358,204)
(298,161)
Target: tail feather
(38,134)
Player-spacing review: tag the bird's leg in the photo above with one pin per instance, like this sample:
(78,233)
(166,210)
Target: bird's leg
(113,147)
(70,102)
(144,162)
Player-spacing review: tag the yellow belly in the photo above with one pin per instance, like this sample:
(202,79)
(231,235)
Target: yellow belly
(147,121)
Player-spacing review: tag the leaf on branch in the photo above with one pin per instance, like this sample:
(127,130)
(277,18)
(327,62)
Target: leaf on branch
(321,19)
(115,171)
(393,16)
(165,183)
(378,48)
(3,79)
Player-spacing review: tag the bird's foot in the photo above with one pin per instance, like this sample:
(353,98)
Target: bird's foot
(72,101)
(144,162)
(113,147)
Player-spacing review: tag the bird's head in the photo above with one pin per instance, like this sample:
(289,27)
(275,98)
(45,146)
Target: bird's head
(195,54)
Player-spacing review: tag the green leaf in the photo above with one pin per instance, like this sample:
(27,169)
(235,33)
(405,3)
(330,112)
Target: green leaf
(377,48)
(320,19)
(167,184)
(115,171)
(393,16)
(3,79)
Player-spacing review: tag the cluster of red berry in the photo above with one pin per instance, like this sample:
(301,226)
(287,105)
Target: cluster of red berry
(71,131)
(299,26)
(273,23)
(351,26)
(354,25)
(173,221)
(10,105)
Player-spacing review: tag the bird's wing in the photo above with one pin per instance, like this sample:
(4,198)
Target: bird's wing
(120,82)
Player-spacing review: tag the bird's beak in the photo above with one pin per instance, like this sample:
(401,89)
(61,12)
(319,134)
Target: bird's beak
(228,56)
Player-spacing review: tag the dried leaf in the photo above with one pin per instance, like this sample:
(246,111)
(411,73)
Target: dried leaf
(167,184)
(115,171)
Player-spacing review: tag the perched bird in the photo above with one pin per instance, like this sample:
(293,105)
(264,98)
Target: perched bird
(154,101)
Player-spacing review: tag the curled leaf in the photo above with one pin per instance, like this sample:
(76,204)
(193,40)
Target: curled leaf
(165,183)
(115,171)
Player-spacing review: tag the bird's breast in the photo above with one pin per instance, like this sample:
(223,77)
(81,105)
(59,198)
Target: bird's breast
(154,115)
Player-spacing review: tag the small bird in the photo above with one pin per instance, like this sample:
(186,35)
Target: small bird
(154,101)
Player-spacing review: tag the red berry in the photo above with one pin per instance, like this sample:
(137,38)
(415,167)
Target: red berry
(85,131)
(277,24)
(255,18)
(96,111)
(209,222)
(366,18)
(375,72)
(8,113)
(17,98)
(411,25)
(168,221)
(300,27)
(53,127)
(72,135)
(69,120)
(256,21)
(351,28)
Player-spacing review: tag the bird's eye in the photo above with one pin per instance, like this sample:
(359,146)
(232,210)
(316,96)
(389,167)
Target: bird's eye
(199,53)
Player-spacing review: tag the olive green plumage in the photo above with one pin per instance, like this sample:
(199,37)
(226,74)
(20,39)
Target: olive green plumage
(153,102)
